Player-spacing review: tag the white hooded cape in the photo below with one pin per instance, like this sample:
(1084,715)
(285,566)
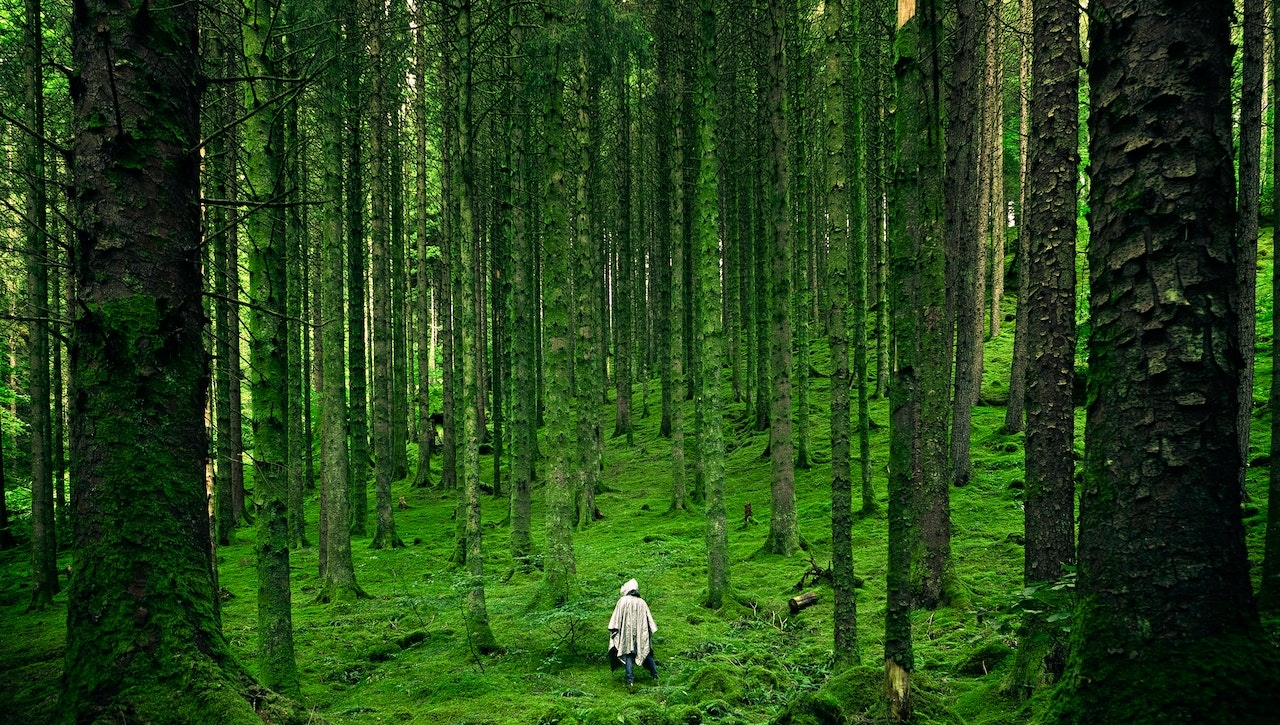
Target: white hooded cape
(631,624)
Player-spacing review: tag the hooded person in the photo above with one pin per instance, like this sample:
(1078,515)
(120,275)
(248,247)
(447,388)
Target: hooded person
(630,628)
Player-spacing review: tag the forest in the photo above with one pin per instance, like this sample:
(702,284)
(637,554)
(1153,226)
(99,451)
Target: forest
(916,359)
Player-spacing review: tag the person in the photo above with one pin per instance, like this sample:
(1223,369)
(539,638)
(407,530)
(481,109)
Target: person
(630,629)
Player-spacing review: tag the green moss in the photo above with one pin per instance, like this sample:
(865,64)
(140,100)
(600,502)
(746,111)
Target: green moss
(1221,680)
(984,659)
(717,681)
(811,708)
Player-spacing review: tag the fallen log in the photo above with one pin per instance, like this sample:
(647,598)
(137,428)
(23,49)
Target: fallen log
(803,601)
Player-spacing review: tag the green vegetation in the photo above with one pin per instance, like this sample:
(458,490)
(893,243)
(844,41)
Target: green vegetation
(403,655)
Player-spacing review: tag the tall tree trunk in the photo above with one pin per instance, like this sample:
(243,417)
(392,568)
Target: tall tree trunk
(473,349)
(384,536)
(784,534)
(1250,164)
(710,322)
(845,616)
(1050,267)
(559,569)
(422,276)
(1164,574)
(586,345)
(338,573)
(1269,592)
(446,294)
(798,187)
(1018,374)
(268,351)
(295,372)
(665,109)
(358,452)
(223,109)
(525,326)
(44,537)
(622,285)
(674,333)
(965,227)
(142,610)
(993,143)
(857,186)
(396,71)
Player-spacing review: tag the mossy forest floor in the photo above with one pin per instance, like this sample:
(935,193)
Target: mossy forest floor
(403,655)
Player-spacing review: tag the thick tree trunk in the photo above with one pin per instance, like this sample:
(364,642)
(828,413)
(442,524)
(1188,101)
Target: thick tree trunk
(993,213)
(525,330)
(142,610)
(622,285)
(422,276)
(1164,575)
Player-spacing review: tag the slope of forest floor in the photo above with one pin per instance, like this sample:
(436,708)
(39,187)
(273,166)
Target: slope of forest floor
(403,655)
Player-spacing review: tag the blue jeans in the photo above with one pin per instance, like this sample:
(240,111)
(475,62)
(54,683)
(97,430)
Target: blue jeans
(629,661)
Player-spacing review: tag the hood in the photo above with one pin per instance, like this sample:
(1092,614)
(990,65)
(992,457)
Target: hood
(631,586)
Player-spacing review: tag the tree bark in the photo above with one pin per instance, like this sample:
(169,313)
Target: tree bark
(142,610)
(845,616)
(1164,576)
(1269,591)
(1050,216)
(784,534)
(1250,165)
(44,536)
(1018,374)
(710,321)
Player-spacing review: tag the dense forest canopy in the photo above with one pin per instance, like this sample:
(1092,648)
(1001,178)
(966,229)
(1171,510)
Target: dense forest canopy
(915,358)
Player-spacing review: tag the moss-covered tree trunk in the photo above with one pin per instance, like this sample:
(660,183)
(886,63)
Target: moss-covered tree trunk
(446,292)
(44,537)
(338,573)
(845,616)
(422,274)
(295,288)
(396,71)
(357,360)
(1050,267)
(965,228)
(802,295)
(559,569)
(221,105)
(863,228)
(268,349)
(784,532)
(710,322)
(524,323)
(665,106)
(384,458)
(992,214)
(1164,595)
(622,286)
(143,639)
(677,288)
(586,344)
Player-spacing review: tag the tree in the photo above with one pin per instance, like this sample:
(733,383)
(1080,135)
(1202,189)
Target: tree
(710,323)
(964,228)
(1250,164)
(1269,592)
(1050,269)
(268,351)
(559,568)
(44,540)
(338,575)
(1163,577)
(784,534)
(838,232)
(384,458)
(1018,373)
(143,639)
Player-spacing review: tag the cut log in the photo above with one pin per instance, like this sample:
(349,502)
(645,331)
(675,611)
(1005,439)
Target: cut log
(803,601)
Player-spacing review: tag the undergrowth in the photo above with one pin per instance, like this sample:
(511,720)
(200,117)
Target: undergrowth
(403,655)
